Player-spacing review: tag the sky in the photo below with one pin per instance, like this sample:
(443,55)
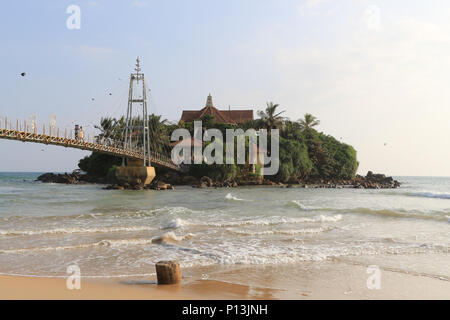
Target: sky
(376,73)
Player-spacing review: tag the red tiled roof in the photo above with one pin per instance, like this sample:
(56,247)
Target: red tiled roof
(225,116)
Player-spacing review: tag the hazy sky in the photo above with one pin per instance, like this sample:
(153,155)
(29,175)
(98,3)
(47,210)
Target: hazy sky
(373,72)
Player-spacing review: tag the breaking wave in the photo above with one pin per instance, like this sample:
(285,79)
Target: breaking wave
(435,195)
(273,221)
(229,196)
(174,224)
(171,236)
(284,232)
(106,212)
(300,205)
(276,255)
(397,212)
(437,215)
(105,243)
(74,230)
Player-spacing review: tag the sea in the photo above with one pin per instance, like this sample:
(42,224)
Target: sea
(45,228)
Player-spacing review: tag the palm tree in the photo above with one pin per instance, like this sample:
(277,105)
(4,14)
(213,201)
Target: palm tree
(291,130)
(270,119)
(308,122)
(111,130)
(159,138)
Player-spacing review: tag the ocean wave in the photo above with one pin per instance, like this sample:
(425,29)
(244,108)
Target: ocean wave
(101,243)
(108,213)
(229,196)
(272,221)
(178,222)
(298,204)
(175,224)
(437,215)
(436,195)
(284,232)
(275,257)
(75,230)
(284,255)
(420,194)
(395,212)
(171,236)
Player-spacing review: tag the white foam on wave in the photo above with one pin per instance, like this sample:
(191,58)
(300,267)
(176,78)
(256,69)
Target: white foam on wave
(176,223)
(281,220)
(276,255)
(101,243)
(114,213)
(229,196)
(334,218)
(75,230)
(286,232)
(302,206)
(437,195)
(171,236)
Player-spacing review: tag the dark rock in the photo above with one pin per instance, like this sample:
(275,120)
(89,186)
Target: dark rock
(189,180)
(58,178)
(207,180)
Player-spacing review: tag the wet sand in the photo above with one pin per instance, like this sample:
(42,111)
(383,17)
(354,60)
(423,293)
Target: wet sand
(330,280)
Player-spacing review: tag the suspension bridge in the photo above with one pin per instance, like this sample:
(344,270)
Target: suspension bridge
(136,135)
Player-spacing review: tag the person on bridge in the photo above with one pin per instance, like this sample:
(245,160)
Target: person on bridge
(77,129)
(81,134)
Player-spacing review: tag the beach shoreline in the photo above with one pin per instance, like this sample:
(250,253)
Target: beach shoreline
(330,280)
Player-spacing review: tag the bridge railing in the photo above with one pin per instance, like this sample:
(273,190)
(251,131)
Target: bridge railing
(27,132)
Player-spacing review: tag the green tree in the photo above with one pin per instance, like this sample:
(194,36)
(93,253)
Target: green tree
(98,165)
(270,118)
(294,161)
(159,134)
(308,122)
(111,130)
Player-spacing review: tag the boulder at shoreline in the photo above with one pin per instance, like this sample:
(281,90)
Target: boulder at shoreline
(168,180)
(66,178)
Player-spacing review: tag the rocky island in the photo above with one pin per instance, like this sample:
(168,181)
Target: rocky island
(307,158)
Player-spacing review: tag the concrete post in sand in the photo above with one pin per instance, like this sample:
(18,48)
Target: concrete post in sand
(168,272)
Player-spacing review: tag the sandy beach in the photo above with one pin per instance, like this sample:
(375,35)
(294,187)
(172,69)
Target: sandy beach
(330,280)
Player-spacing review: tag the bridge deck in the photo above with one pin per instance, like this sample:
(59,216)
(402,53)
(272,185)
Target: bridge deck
(115,150)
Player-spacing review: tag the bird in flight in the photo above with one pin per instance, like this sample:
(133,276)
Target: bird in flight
(23,74)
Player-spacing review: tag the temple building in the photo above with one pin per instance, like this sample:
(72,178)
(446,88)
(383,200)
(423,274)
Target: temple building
(225,116)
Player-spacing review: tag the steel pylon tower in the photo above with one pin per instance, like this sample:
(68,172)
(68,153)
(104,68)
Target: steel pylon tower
(133,129)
